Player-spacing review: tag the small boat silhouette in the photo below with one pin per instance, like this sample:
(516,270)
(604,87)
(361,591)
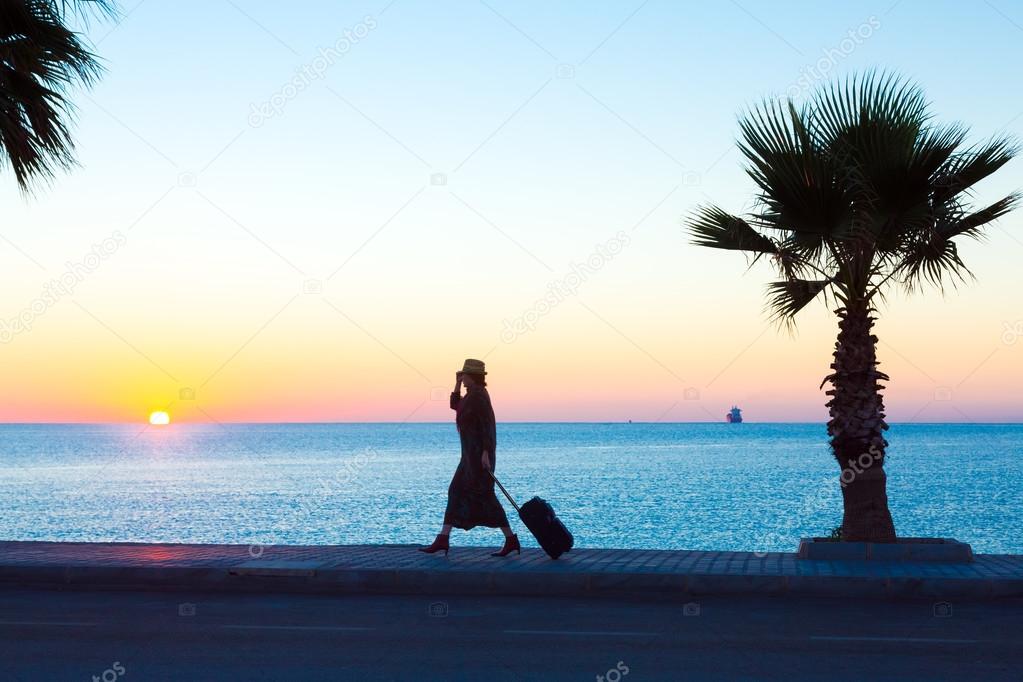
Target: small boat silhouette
(734,415)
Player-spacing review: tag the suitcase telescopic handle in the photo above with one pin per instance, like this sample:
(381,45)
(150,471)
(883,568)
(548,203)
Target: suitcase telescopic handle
(506,493)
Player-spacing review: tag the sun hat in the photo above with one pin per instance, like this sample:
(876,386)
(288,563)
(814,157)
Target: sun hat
(471,366)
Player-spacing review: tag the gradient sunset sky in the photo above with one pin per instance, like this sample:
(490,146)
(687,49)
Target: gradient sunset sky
(332,252)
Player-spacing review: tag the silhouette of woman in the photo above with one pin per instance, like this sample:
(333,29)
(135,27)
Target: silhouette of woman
(471,498)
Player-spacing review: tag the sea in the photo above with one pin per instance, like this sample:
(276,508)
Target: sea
(751,487)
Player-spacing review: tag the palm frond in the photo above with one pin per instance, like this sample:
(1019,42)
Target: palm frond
(41,61)
(869,124)
(936,261)
(788,297)
(971,225)
(710,226)
(969,167)
(877,126)
(870,104)
(788,260)
(857,189)
(797,179)
(85,8)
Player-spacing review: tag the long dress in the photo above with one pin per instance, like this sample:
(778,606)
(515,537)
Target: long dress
(471,498)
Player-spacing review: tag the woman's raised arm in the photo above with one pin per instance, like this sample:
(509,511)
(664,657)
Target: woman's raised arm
(456,395)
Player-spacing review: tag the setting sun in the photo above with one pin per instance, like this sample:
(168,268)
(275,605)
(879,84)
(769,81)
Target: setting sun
(159,418)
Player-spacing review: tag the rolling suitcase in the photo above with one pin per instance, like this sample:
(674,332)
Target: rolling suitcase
(543,523)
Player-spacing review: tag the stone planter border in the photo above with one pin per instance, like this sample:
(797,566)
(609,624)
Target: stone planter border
(944,550)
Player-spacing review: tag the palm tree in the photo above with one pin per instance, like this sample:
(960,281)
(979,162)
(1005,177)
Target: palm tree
(858,190)
(41,60)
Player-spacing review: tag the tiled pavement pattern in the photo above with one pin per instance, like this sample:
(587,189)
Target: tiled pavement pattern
(580,571)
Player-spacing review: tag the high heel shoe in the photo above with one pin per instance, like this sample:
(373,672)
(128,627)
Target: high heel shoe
(439,543)
(511,544)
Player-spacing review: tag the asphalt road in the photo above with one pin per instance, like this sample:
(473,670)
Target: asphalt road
(144,636)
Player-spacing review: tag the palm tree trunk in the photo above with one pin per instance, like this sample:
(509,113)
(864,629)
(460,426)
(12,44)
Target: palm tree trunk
(856,427)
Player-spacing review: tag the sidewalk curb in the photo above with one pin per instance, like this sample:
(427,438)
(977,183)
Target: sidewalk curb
(482,583)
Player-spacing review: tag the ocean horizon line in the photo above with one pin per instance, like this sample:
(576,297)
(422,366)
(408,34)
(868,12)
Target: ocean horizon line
(625,422)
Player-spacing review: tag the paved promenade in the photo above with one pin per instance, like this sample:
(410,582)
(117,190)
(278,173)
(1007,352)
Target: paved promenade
(400,569)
